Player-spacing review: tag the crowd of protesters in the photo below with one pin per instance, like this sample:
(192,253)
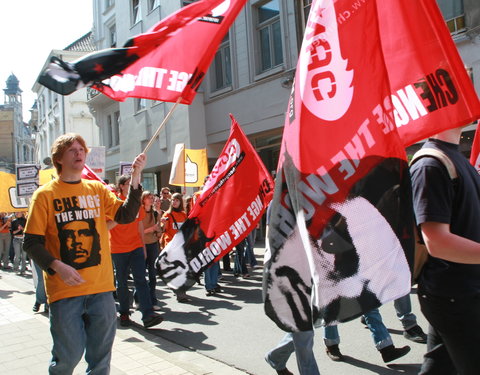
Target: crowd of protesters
(87,263)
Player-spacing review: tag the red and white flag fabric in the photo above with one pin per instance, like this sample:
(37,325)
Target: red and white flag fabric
(231,204)
(89,174)
(167,62)
(475,154)
(341,224)
(431,90)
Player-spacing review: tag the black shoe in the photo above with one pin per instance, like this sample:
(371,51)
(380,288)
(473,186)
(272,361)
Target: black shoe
(36,307)
(333,352)
(125,320)
(391,353)
(218,289)
(285,371)
(363,321)
(152,320)
(415,334)
(210,292)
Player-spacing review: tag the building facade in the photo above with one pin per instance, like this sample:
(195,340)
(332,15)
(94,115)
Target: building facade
(16,142)
(56,114)
(250,77)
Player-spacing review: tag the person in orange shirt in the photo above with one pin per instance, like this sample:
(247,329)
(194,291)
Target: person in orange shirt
(5,239)
(128,253)
(171,222)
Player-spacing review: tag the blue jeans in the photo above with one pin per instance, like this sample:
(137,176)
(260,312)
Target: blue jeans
(152,254)
(380,334)
(331,336)
(403,308)
(40,295)
(249,254)
(211,276)
(82,324)
(134,260)
(302,344)
(20,259)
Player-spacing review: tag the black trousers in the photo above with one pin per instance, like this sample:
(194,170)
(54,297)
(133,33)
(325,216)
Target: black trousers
(453,344)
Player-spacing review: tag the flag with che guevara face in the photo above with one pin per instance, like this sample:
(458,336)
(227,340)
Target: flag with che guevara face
(232,202)
(340,239)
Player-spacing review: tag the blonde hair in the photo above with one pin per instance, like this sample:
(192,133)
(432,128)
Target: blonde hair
(61,144)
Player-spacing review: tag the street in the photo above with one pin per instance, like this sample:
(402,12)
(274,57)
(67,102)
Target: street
(230,329)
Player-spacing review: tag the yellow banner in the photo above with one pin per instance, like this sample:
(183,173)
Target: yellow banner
(9,201)
(189,167)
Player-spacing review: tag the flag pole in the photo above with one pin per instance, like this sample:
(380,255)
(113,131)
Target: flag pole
(149,144)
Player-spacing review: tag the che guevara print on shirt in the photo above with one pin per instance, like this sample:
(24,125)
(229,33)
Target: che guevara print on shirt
(78,235)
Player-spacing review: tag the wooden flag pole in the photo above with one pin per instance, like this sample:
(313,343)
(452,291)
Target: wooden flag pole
(149,144)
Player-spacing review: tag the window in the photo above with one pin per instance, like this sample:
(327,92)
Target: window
(112,36)
(222,65)
(113,130)
(187,2)
(152,4)
(269,35)
(116,128)
(140,104)
(136,17)
(303,10)
(454,14)
(109,3)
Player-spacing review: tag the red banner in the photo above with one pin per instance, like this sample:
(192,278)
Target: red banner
(431,90)
(475,155)
(230,206)
(89,174)
(341,224)
(178,65)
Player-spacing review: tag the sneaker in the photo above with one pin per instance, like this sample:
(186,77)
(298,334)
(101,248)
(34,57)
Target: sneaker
(157,308)
(391,353)
(218,289)
(333,352)
(125,320)
(415,334)
(363,321)
(36,307)
(210,292)
(152,320)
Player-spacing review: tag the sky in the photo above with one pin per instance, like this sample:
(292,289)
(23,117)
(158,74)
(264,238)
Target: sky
(29,30)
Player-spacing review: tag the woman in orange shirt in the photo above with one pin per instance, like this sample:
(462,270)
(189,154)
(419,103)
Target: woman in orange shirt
(173,218)
(171,222)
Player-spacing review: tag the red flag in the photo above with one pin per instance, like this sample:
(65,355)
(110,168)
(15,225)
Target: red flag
(167,62)
(340,233)
(475,154)
(231,204)
(431,90)
(89,174)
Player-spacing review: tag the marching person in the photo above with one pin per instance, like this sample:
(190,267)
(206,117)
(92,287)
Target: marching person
(66,235)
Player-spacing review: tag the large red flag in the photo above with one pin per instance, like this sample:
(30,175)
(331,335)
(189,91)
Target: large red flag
(89,174)
(475,155)
(431,90)
(167,62)
(340,237)
(231,204)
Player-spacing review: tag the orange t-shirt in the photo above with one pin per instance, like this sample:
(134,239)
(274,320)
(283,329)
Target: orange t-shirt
(126,237)
(169,227)
(73,220)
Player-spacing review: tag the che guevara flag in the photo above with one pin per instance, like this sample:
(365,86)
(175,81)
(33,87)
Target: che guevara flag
(167,62)
(475,154)
(340,237)
(232,202)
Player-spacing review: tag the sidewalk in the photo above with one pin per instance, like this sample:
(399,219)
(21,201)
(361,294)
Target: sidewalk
(25,342)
